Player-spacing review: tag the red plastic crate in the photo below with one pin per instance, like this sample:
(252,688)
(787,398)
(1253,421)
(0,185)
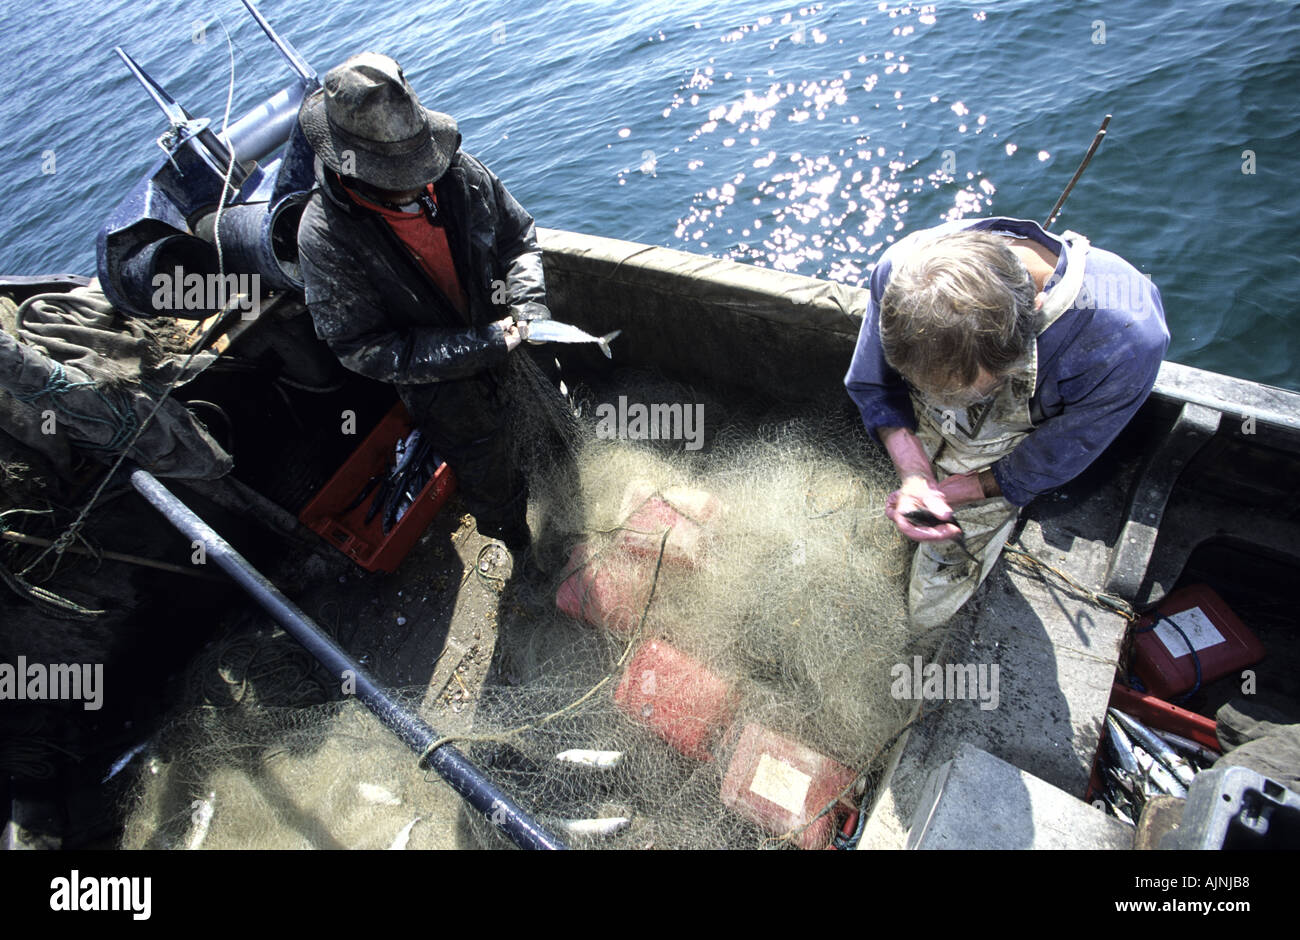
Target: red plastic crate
(365,543)
(781,784)
(1161,658)
(1156,713)
(678,698)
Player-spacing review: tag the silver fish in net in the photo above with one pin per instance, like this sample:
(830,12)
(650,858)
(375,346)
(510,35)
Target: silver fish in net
(549,331)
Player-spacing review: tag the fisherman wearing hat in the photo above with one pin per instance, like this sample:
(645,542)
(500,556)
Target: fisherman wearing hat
(418,266)
(995,362)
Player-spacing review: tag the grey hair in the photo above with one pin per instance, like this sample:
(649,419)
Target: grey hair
(956,303)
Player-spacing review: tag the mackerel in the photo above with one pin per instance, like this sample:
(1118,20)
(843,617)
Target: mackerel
(549,331)
(605,826)
(1187,747)
(1121,746)
(1157,775)
(605,760)
(1157,748)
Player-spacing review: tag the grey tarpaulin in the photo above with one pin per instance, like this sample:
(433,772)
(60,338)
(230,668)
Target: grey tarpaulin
(1262,734)
(1276,755)
(100,374)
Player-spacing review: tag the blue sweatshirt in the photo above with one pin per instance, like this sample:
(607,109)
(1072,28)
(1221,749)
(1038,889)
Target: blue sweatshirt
(1096,365)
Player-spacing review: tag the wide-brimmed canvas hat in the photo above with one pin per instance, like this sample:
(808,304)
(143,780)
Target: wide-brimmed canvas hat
(366,121)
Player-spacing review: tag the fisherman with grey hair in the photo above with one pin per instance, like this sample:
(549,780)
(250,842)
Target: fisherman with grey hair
(995,362)
(419,270)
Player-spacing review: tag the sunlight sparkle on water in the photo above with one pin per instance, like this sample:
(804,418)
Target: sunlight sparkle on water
(765,199)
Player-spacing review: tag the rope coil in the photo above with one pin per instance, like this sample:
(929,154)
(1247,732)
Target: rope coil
(124,423)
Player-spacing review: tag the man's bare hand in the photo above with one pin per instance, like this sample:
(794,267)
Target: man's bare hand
(961,488)
(919,493)
(510,330)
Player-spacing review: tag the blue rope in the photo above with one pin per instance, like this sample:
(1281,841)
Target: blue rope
(124,423)
(847,843)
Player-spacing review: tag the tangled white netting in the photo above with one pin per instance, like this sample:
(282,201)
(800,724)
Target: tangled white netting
(719,675)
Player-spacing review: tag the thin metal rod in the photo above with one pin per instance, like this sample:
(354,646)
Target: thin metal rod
(240,498)
(296,62)
(23,539)
(465,778)
(1092,148)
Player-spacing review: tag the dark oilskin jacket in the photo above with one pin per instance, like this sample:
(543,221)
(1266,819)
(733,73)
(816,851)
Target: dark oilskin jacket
(385,318)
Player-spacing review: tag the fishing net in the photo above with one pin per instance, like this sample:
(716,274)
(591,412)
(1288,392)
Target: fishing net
(715,675)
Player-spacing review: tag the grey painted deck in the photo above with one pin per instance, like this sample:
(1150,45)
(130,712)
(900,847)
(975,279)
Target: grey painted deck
(1056,653)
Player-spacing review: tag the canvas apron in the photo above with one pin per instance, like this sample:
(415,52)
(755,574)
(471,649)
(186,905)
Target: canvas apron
(963,440)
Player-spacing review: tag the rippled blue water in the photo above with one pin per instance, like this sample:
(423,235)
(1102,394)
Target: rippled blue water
(799,137)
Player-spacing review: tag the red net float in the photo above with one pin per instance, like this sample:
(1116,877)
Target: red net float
(781,785)
(609,591)
(682,512)
(677,698)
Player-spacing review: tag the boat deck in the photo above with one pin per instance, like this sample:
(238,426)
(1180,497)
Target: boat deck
(439,629)
(1057,656)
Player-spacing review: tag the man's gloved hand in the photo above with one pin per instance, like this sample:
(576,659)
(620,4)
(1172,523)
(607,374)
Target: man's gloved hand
(919,493)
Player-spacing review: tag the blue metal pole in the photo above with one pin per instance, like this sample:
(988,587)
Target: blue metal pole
(450,764)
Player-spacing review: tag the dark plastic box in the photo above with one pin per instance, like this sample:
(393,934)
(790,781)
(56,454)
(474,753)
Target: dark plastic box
(1162,658)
